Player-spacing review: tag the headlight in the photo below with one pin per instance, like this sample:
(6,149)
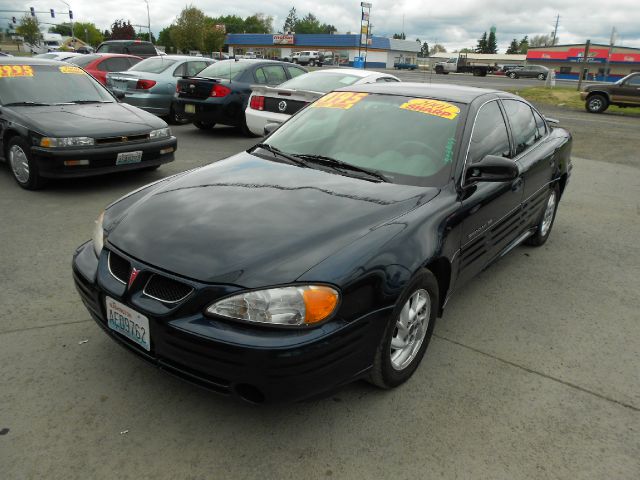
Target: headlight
(160,133)
(50,142)
(295,305)
(98,235)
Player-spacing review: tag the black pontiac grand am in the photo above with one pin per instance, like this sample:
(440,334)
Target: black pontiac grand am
(326,253)
(56,121)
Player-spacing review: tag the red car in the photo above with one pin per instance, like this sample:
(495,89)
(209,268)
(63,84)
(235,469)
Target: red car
(99,64)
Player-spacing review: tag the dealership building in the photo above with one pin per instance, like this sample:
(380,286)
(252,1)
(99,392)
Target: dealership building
(567,61)
(339,49)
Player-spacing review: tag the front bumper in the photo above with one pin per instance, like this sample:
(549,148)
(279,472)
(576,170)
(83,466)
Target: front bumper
(257,364)
(102,159)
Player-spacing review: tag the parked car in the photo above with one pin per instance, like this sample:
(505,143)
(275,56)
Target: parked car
(277,104)
(60,56)
(99,64)
(310,57)
(56,122)
(326,253)
(138,48)
(529,71)
(293,57)
(151,84)
(220,93)
(85,49)
(5,54)
(623,93)
(219,56)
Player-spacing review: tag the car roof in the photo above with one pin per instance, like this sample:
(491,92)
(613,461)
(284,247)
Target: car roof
(358,72)
(180,57)
(452,93)
(127,41)
(30,61)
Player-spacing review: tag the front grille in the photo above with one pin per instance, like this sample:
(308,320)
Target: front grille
(119,267)
(122,139)
(165,289)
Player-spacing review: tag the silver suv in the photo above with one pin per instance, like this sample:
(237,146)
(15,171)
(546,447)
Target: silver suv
(310,57)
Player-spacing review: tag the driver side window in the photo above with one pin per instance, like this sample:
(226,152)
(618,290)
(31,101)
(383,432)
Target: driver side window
(490,135)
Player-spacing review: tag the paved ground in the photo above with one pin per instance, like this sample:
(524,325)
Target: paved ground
(534,371)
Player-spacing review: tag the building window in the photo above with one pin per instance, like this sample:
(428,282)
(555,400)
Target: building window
(565,69)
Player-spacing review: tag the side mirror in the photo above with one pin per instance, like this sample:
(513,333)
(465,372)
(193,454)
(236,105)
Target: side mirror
(271,127)
(492,169)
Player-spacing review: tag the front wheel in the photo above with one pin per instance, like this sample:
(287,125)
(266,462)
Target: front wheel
(596,104)
(204,125)
(408,333)
(513,75)
(23,167)
(542,76)
(543,229)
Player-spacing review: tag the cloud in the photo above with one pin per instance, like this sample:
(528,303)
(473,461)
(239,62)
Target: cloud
(455,23)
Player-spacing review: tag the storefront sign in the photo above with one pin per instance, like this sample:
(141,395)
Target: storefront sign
(283,39)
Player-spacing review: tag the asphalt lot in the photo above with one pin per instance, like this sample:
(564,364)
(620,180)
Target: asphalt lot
(533,374)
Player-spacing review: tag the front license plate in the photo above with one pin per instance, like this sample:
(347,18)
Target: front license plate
(129,323)
(189,108)
(129,157)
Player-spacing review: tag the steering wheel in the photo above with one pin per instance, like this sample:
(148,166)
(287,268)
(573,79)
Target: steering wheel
(413,147)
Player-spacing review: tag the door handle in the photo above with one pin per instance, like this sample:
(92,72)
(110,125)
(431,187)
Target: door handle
(517,184)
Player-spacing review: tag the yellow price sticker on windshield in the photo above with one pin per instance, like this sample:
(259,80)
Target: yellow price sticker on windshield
(8,71)
(437,108)
(72,70)
(341,100)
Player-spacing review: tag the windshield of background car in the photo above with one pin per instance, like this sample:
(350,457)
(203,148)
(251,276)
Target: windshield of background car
(320,82)
(409,140)
(49,84)
(153,65)
(228,69)
(84,60)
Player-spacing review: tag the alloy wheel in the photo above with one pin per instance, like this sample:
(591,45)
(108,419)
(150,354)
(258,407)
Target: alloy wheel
(19,163)
(547,219)
(410,329)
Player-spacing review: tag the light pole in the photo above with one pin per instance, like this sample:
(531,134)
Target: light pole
(73,38)
(148,20)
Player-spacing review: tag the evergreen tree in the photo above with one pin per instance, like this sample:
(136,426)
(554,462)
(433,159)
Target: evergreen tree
(425,50)
(523,46)
(482,44)
(291,21)
(514,48)
(492,44)
(399,36)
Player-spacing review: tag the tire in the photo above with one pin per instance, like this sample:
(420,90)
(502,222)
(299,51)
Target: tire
(312,63)
(596,103)
(204,125)
(547,217)
(174,118)
(244,128)
(439,70)
(476,72)
(23,168)
(542,76)
(512,75)
(392,367)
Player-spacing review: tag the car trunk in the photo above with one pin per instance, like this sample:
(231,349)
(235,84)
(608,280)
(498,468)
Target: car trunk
(197,88)
(292,100)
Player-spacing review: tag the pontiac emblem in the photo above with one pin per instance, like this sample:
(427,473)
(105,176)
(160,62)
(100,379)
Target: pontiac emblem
(282,106)
(132,276)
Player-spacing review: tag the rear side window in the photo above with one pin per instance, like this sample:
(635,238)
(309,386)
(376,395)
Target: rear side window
(490,135)
(84,60)
(116,64)
(141,49)
(541,125)
(111,48)
(194,68)
(523,124)
(295,72)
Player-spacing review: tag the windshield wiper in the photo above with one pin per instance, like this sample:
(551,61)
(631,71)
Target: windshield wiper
(89,101)
(279,153)
(340,165)
(27,104)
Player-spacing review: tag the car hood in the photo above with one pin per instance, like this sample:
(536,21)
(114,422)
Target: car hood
(91,120)
(254,222)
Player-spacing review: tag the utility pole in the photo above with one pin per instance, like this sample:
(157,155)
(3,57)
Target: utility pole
(584,63)
(611,47)
(148,20)
(555,31)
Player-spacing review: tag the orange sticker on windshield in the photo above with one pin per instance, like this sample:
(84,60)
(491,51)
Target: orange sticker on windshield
(72,70)
(437,108)
(342,100)
(8,71)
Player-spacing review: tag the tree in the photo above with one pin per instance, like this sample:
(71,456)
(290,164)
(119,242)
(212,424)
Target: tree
(492,44)
(466,50)
(232,23)
(482,44)
(29,29)
(121,30)
(514,48)
(63,29)
(164,39)
(258,23)
(145,37)
(542,41)
(214,36)
(437,48)
(399,36)
(291,21)
(424,50)
(188,32)
(523,46)
(93,36)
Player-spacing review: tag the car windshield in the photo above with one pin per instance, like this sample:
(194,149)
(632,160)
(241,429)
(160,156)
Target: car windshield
(153,65)
(84,60)
(408,140)
(48,84)
(229,69)
(320,82)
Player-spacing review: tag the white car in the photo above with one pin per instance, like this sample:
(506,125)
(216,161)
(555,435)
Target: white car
(60,56)
(277,104)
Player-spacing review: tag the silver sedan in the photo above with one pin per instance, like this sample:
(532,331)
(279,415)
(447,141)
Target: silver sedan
(151,84)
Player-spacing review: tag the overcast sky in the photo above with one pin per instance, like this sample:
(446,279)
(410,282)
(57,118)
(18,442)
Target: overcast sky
(453,23)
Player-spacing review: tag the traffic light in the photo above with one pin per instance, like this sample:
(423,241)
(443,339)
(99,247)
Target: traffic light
(13,19)
(70,15)
(53,14)
(33,11)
